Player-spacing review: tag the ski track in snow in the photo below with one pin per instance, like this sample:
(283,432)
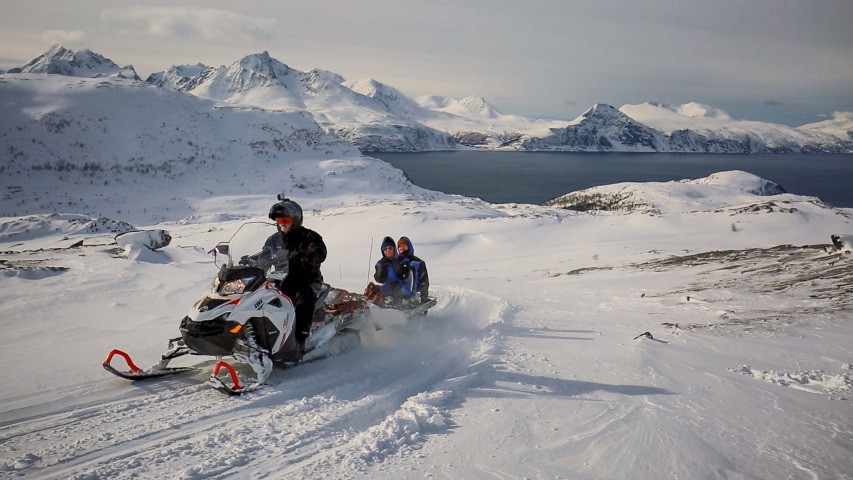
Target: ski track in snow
(340,414)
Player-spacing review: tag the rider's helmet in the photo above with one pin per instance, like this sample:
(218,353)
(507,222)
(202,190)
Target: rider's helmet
(287,208)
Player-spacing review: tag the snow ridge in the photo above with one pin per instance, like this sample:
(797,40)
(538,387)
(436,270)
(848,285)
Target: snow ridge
(716,191)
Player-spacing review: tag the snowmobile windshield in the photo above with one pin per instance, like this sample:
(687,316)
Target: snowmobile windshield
(245,247)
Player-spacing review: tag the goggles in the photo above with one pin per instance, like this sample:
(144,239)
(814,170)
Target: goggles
(388,247)
(284,221)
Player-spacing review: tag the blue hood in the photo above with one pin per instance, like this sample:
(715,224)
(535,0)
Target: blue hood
(407,242)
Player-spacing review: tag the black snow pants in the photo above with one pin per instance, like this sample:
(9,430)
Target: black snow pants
(304,300)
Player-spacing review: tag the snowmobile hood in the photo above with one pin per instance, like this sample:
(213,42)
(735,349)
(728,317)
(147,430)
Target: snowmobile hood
(386,242)
(408,242)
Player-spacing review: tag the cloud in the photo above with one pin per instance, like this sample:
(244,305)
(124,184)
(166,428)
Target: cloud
(209,24)
(72,38)
(773,103)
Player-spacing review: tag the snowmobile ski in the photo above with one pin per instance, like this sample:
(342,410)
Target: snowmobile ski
(235,388)
(136,373)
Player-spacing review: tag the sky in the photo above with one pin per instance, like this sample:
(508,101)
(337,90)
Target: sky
(778,61)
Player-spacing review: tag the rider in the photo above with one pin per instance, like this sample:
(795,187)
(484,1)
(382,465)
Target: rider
(306,251)
(391,271)
(420,278)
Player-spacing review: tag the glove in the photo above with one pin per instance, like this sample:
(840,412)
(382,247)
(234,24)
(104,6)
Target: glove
(244,260)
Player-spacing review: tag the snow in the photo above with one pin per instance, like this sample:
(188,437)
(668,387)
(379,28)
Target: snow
(533,363)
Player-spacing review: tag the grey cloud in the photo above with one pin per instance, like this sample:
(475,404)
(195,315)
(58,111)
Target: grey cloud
(71,39)
(209,24)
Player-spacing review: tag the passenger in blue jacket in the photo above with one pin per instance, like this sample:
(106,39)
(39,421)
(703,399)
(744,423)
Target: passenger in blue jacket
(419,284)
(392,272)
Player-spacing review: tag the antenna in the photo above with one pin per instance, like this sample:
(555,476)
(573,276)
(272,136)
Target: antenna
(368,259)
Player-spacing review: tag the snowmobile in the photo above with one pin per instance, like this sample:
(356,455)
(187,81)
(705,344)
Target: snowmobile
(245,316)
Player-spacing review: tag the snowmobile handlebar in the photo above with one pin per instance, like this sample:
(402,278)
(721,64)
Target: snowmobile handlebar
(266,259)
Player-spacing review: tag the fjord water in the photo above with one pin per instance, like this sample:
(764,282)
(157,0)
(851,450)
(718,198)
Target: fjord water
(535,177)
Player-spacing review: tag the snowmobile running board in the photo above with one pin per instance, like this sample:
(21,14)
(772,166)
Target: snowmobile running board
(416,311)
(420,309)
(136,373)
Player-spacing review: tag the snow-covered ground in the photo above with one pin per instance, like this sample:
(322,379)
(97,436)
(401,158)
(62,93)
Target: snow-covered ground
(534,363)
(694,329)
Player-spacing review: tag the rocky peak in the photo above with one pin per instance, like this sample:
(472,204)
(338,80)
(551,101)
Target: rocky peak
(59,60)
(604,111)
(177,76)
(263,64)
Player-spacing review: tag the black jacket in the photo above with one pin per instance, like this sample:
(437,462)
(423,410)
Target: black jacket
(306,252)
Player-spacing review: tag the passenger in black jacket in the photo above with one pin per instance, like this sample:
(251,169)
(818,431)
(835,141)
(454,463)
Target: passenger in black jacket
(306,251)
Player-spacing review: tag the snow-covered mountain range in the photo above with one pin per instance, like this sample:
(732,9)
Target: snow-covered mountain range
(377,117)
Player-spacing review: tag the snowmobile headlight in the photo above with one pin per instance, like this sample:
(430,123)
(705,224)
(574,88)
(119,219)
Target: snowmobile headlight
(235,286)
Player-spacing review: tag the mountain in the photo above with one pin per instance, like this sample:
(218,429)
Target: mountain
(388,96)
(84,63)
(176,77)
(694,110)
(370,123)
(722,190)
(601,128)
(108,134)
(839,126)
(471,106)
(691,127)
(695,127)
(471,121)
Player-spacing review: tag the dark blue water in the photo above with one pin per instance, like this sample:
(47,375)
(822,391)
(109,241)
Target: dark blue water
(527,177)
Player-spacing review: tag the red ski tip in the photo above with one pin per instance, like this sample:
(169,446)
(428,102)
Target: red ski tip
(133,368)
(231,371)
